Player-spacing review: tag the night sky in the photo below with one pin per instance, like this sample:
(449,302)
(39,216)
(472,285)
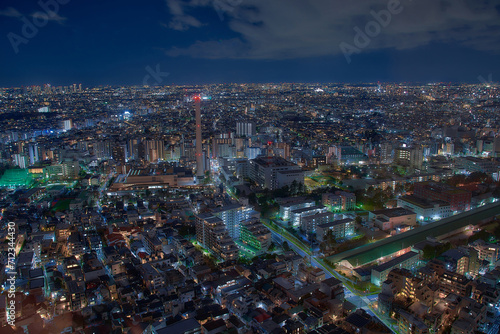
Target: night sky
(215,41)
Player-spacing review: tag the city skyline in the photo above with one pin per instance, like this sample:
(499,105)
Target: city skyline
(250,166)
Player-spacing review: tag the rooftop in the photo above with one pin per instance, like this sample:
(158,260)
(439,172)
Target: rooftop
(394,262)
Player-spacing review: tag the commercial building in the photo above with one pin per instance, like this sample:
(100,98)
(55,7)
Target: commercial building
(426,210)
(67,124)
(345,154)
(153,178)
(473,164)
(274,172)
(388,219)
(459,199)
(118,153)
(65,170)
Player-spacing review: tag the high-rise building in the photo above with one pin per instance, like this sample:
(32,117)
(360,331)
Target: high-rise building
(155,150)
(118,154)
(20,160)
(33,153)
(412,157)
(232,216)
(212,235)
(385,152)
(200,171)
(245,129)
(223,147)
(102,149)
(133,149)
(67,124)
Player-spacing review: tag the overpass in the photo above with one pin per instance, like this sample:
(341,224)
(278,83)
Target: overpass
(371,252)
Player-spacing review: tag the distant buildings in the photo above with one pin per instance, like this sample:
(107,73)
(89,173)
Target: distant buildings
(345,154)
(123,135)
(153,178)
(245,129)
(409,157)
(67,124)
(473,164)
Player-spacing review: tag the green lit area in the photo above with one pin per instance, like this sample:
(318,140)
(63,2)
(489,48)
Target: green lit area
(247,251)
(248,239)
(13,178)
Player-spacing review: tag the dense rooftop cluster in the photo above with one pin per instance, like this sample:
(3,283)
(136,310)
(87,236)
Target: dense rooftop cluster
(322,209)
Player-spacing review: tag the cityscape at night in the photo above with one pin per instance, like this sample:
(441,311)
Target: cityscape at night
(250,166)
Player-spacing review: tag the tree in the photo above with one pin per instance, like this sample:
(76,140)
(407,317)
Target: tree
(496,192)
(294,187)
(429,252)
(301,188)
(456,180)
(285,246)
(252,198)
(399,189)
(479,177)
(272,247)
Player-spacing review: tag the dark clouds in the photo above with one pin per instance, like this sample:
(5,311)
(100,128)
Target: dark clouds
(287,29)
